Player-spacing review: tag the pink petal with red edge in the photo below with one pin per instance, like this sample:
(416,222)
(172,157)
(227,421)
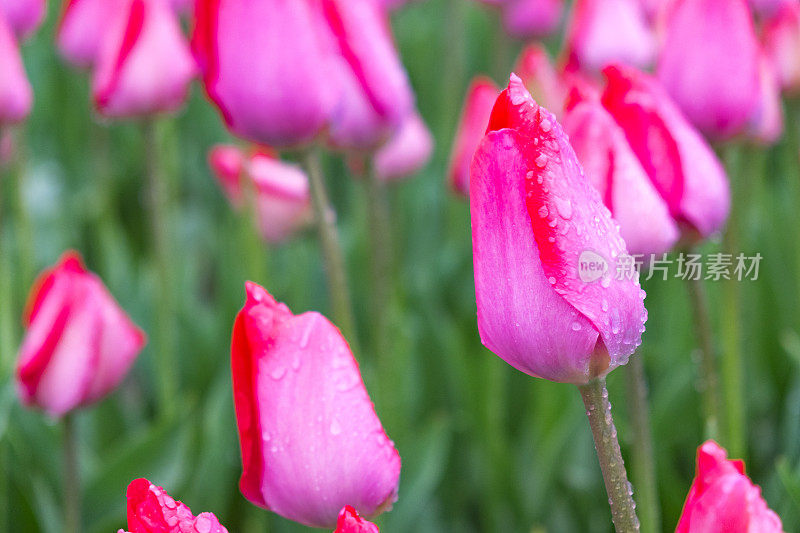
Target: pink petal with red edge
(83,26)
(227,163)
(152,510)
(350,522)
(16,94)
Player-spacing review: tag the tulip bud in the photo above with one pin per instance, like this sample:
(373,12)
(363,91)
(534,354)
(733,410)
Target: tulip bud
(79,343)
(16,95)
(550,300)
(406,152)
(152,510)
(478,104)
(608,31)
(680,163)
(350,522)
(532,18)
(267,66)
(144,65)
(23,16)
(781,37)
(614,170)
(709,64)
(83,26)
(539,76)
(310,439)
(722,498)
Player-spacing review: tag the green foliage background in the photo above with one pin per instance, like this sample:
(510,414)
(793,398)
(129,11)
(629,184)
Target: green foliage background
(484,447)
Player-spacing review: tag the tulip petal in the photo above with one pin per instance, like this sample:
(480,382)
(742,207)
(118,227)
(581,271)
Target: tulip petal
(152,510)
(16,94)
(350,522)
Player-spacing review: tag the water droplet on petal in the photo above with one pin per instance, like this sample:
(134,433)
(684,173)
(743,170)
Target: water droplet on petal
(278,372)
(552,280)
(541,161)
(336,428)
(543,212)
(576,326)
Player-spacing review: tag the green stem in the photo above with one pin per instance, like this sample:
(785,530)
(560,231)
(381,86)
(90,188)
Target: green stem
(381,262)
(24,231)
(7,342)
(644,468)
(620,493)
(159,202)
(251,238)
(331,249)
(72,487)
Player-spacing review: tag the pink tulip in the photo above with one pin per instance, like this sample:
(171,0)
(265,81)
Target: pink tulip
(79,343)
(532,18)
(83,26)
(478,104)
(550,301)
(781,37)
(152,510)
(310,439)
(768,8)
(766,125)
(539,75)
(23,16)
(614,170)
(408,150)
(144,65)
(709,64)
(350,522)
(608,31)
(16,94)
(282,202)
(722,498)
(680,163)
(267,66)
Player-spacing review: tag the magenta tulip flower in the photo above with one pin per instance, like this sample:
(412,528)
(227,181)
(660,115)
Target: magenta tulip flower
(550,302)
(539,76)
(16,94)
(350,522)
(267,66)
(144,65)
(23,16)
(709,64)
(680,163)
(152,510)
(722,498)
(310,439)
(406,152)
(478,104)
(79,344)
(614,170)
(781,38)
(83,26)
(608,31)
(532,18)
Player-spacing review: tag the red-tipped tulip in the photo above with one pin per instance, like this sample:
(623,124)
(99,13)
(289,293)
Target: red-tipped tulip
(79,343)
(310,439)
(152,510)
(267,66)
(24,16)
(615,171)
(709,64)
(282,203)
(550,300)
(532,18)
(350,522)
(680,163)
(478,104)
(722,498)
(539,75)
(609,31)
(16,94)
(781,39)
(406,152)
(83,26)
(144,65)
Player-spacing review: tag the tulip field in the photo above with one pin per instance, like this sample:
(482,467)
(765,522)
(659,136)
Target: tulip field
(403,266)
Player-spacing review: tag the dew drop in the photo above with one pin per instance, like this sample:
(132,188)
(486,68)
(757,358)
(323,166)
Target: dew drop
(202,524)
(543,212)
(541,161)
(576,326)
(546,126)
(529,175)
(336,428)
(278,372)
(552,280)
(605,305)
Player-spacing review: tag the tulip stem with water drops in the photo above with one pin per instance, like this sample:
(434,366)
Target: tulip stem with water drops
(620,493)
(71,481)
(331,249)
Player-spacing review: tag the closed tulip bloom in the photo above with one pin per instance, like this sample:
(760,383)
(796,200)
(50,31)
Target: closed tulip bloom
(23,16)
(709,64)
(537,224)
(406,152)
(532,18)
(152,510)
(350,522)
(310,439)
(781,38)
(83,25)
(478,104)
(16,94)
(679,161)
(144,65)
(267,66)
(539,76)
(615,171)
(722,498)
(79,344)
(609,31)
